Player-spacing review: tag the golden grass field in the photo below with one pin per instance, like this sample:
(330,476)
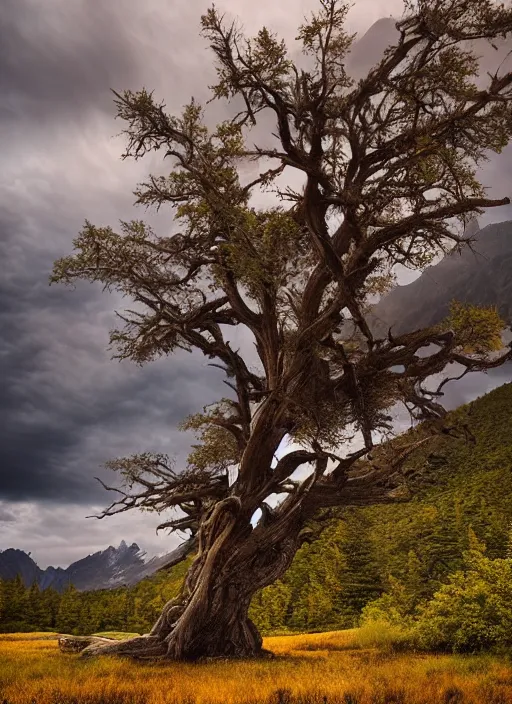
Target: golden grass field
(326,668)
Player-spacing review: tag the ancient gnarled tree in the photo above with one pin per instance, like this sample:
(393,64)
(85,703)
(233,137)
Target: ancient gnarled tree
(388,170)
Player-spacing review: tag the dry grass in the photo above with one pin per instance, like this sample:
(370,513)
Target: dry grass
(313,669)
(37,635)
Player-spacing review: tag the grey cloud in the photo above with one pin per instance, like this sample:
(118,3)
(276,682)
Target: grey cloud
(58,534)
(475,385)
(7,515)
(60,60)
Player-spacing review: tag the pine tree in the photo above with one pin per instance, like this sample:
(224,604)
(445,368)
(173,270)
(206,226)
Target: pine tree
(15,605)
(508,553)
(68,616)
(362,580)
(50,600)
(35,614)
(3,603)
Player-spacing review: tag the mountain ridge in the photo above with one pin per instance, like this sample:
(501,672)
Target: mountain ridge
(478,275)
(104,569)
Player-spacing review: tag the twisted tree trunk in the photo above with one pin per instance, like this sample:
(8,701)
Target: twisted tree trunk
(210,617)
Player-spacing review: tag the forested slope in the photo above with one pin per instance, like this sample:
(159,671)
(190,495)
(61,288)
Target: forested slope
(420,542)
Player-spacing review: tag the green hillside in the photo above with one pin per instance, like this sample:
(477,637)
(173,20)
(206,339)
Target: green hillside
(358,556)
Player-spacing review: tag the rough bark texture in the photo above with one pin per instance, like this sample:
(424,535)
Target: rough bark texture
(210,618)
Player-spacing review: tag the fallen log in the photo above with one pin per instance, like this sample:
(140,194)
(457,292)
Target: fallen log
(75,644)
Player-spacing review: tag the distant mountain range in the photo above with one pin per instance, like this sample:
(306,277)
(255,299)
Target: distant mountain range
(481,276)
(106,569)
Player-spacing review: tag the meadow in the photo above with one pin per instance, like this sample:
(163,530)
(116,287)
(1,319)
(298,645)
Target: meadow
(323,668)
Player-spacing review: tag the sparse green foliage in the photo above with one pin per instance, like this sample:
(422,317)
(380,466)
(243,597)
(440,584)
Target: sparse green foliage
(218,450)
(478,329)
(69,614)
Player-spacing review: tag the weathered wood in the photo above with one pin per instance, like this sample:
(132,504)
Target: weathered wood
(75,644)
(210,617)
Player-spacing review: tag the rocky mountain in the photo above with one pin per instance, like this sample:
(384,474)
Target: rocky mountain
(480,275)
(106,569)
(369,48)
(16,562)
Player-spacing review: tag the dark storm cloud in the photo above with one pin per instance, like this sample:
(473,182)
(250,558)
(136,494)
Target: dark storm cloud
(65,406)
(61,391)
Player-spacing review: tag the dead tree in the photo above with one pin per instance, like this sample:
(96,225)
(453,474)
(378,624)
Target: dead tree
(388,167)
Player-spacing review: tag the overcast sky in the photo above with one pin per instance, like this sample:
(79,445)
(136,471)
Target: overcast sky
(66,407)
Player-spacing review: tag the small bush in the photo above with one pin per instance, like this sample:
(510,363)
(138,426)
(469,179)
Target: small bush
(473,612)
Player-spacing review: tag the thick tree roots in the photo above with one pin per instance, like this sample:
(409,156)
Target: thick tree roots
(75,644)
(141,648)
(153,648)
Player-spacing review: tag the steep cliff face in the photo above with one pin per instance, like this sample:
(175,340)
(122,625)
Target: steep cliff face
(368,50)
(481,276)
